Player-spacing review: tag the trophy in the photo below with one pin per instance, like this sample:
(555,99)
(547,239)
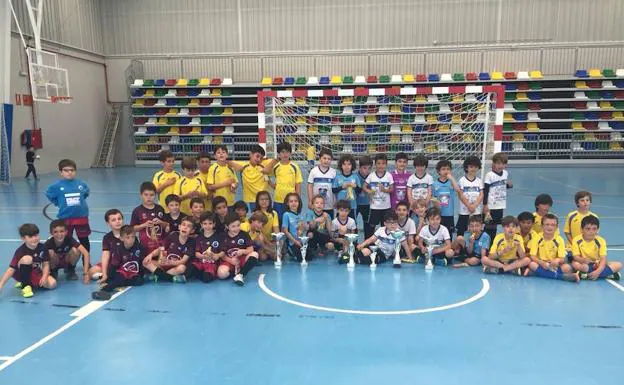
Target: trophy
(304,250)
(397,235)
(351,238)
(429,264)
(279,244)
(373,256)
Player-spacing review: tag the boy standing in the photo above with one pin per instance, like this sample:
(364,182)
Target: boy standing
(30,265)
(203,163)
(470,191)
(341,225)
(207,254)
(288,177)
(148,219)
(444,193)
(589,251)
(495,187)
(253,175)
(321,182)
(363,199)
(165,179)
(222,180)
(378,186)
(400,176)
(70,196)
(189,186)
(419,184)
(347,185)
(30,163)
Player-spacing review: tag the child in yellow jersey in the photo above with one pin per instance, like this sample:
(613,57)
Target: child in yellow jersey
(288,177)
(222,180)
(507,254)
(241,209)
(525,229)
(165,179)
(262,245)
(264,204)
(543,203)
(189,186)
(548,255)
(253,174)
(589,251)
(311,156)
(572,226)
(203,162)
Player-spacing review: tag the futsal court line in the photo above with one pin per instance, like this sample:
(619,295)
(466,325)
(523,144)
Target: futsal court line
(484,290)
(616,285)
(80,314)
(5,358)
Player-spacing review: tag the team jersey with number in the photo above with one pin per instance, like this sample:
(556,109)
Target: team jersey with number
(471,189)
(420,185)
(399,192)
(218,174)
(482,242)
(497,194)
(348,194)
(240,241)
(434,237)
(572,225)
(444,193)
(548,249)
(349,226)
(161,177)
(409,226)
(287,176)
(386,241)
(322,184)
(63,248)
(380,200)
(593,250)
(127,261)
(39,256)
(204,178)
(175,250)
(151,236)
(253,180)
(500,243)
(203,243)
(70,196)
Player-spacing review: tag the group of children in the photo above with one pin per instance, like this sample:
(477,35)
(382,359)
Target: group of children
(196,228)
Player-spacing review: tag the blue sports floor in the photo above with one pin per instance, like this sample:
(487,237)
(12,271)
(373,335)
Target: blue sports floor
(323,325)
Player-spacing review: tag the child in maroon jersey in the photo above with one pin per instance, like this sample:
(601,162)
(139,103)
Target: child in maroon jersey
(114,220)
(168,262)
(148,219)
(65,251)
(197,209)
(123,268)
(240,256)
(207,250)
(220,208)
(174,216)
(30,265)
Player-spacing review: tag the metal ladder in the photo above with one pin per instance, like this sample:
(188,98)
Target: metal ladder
(106,154)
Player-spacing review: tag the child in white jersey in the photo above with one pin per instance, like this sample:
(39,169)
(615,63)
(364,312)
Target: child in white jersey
(379,185)
(341,225)
(495,185)
(436,235)
(385,240)
(470,193)
(321,182)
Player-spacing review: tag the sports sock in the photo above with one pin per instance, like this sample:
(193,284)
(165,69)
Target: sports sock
(25,271)
(249,264)
(606,272)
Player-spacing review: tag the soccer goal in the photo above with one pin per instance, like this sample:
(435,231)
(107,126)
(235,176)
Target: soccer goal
(440,122)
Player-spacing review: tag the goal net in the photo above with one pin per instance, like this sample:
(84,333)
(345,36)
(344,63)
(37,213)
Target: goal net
(441,122)
(5,160)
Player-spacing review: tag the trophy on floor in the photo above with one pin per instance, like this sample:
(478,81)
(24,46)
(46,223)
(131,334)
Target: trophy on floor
(373,257)
(398,235)
(351,238)
(301,233)
(279,244)
(429,264)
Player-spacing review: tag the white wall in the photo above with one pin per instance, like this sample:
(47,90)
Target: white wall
(69,130)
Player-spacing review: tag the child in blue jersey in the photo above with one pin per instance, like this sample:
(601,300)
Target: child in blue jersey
(473,244)
(70,196)
(347,185)
(293,224)
(443,190)
(363,199)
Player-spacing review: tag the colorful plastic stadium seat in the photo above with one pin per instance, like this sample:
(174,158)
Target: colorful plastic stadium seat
(193,82)
(278,81)
(446,78)
(138,92)
(608,73)
(324,80)
(159,83)
(496,75)
(484,76)
(619,72)
(138,83)
(508,117)
(511,86)
(421,77)
(536,74)
(433,78)
(534,96)
(408,78)
(182,82)
(532,127)
(313,80)
(384,79)
(288,81)
(523,75)
(509,75)
(608,84)
(592,106)
(618,115)
(581,74)
(215,92)
(160,92)
(215,82)
(458,77)
(150,93)
(472,76)
(148,83)
(360,79)
(619,83)
(396,79)
(161,102)
(226,82)
(371,79)
(594,73)
(336,79)
(521,96)
(519,127)
(203,82)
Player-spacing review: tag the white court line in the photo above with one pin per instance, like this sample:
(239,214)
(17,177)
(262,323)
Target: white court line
(5,358)
(617,285)
(479,295)
(80,314)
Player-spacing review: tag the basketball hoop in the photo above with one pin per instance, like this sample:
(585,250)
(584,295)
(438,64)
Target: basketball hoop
(61,99)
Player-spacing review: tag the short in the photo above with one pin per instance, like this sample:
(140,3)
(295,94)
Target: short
(205,266)
(232,268)
(462,257)
(63,262)
(361,259)
(497,216)
(364,211)
(377,217)
(318,240)
(592,266)
(449,223)
(80,225)
(35,277)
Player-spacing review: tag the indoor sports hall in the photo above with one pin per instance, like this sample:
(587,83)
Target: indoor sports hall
(121,87)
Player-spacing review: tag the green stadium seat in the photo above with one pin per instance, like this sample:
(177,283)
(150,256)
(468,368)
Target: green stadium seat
(458,77)
(193,82)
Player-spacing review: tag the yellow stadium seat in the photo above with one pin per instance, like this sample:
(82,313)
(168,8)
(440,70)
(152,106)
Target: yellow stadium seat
(174,130)
(518,137)
(301,120)
(266,81)
(406,128)
(606,105)
(204,82)
(522,96)
(618,115)
(215,92)
(536,75)
(194,103)
(228,111)
(172,111)
(371,119)
(217,140)
(312,129)
(580,84)
(324,111)
(577,126)
(615,146)
(432,119)
(457,118)
(408,78)
(421,98)
(300,101)
(508,118)
(359,130)
(347,100)
(458,98)
(444,128)
(595,73)
(395,109)
(532,127)
(497,75)
(162,121)
(138,102)
(182,82)
(430,148)
(372,148)
(336,79)
(196,131)
(149,93)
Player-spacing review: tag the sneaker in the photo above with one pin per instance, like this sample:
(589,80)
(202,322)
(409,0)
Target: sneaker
(440,262)
(572,277)
(151,277)
(490,270)
(179,278)
(239,280)
(101,295)
(420,259)
(18,285)
(582,275)
(517,272)
(70,275)
(27,291)
(409,260)
(96,276)
(614,277)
